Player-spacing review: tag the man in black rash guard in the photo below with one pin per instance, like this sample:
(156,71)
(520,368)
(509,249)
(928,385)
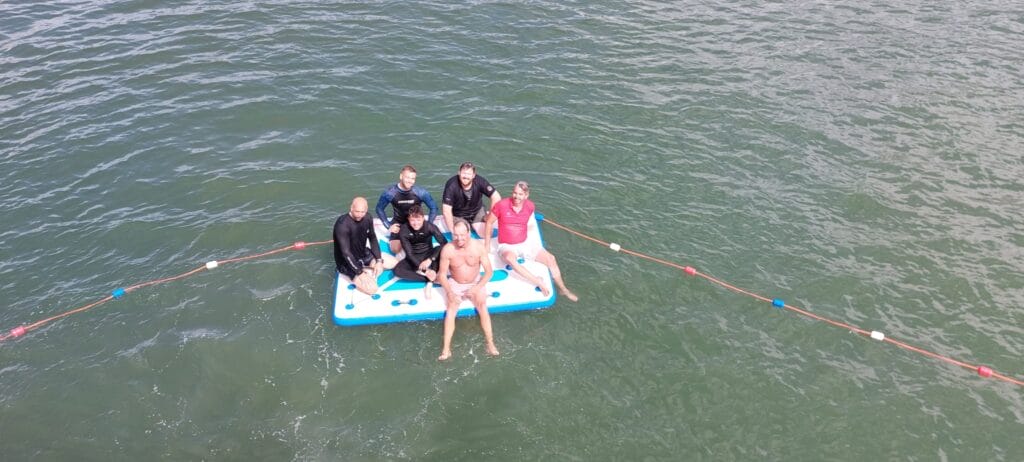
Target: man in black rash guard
(421,257)
(352,233)
(463,197)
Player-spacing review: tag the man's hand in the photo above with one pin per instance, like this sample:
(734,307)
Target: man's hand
(425,264)
(378,267)
(395,227)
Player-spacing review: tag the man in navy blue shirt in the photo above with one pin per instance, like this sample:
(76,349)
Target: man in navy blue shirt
(463,197)
(402,196)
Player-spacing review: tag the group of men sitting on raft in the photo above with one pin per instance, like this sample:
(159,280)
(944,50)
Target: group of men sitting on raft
(357,253)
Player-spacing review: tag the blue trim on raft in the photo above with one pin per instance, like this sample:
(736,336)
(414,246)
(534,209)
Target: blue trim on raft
(436,316)
(465,312)
(401,284)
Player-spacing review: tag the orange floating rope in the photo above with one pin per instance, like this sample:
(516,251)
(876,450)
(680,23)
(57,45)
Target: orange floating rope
(981,370)
(118,293)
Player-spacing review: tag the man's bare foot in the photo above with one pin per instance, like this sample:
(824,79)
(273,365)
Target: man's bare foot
(492,350)
(445,355)
(429,289)
(571,296)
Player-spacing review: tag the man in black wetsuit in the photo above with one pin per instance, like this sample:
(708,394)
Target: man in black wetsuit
(463,197)
(421,257)
(401,197)
(353,232)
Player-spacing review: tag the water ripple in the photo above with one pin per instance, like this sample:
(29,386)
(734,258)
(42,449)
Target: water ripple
(859,160)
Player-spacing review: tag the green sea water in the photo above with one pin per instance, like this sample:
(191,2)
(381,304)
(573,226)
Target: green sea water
(859,160)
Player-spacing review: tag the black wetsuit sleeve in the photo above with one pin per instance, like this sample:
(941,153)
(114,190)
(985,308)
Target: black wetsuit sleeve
(429,201)
(372,236)
(450,192)
(435,254)
(339,236)
(382,207)
(343,237)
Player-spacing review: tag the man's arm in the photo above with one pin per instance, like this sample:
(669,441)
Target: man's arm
(442,271)
(495,198)
(341,235)
(429,201)
(371,237)
(340,260)
(448,197)
(382,205)
(378,262)
(488,229)
(485,260)
(438,236)
(449,220)
(487,188)
(441,242)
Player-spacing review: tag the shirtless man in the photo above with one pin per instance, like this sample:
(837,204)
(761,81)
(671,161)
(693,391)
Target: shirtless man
(353,232)
(463,197)
(513,215)
(463,257)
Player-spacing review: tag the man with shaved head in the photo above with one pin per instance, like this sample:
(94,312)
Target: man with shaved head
(356,251)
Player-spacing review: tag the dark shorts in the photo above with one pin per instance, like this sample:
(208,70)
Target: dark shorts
(478,217)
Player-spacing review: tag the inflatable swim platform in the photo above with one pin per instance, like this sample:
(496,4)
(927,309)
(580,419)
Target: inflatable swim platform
(400,300)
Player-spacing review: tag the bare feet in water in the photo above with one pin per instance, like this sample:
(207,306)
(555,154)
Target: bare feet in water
(571,296)
(491,350)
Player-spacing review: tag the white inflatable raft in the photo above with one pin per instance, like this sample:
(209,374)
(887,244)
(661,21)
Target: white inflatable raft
(399,300)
